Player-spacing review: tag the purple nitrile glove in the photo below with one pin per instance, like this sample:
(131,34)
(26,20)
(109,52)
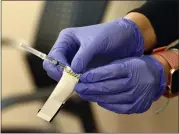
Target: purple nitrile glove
(125,86)
(77,47)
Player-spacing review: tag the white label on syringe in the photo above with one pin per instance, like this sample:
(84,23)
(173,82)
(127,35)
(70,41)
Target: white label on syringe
(60,94)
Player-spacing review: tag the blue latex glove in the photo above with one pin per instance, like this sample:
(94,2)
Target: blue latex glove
(125,86)
(77,47)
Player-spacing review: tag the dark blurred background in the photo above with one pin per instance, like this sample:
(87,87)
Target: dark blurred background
(25,85)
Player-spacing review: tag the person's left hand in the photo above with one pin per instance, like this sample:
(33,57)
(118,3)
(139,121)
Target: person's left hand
(125,86)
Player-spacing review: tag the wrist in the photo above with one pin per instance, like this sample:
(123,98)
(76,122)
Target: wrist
(158,71)
(145,27)
(169,61)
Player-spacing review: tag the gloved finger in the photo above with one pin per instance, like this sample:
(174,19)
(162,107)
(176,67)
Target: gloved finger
(55,77)
(87,52)
(143,103)
(107,72)
(118,108)
(105,87)
(127,97)
(141,106)
(53,71)
(82,58)
(63,49)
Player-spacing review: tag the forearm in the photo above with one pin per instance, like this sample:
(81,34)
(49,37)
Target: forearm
(145,28)
(158,22)
(164,63)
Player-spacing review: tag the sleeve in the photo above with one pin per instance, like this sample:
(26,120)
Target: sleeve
(163,16)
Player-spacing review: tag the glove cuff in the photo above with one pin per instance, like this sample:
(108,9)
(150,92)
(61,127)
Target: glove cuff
(162,81)
(137,36)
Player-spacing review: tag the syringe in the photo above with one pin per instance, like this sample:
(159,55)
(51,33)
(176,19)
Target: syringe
(41,55)
(63,89)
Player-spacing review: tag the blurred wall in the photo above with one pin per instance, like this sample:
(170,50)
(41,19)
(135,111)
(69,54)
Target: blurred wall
(118,9)
(20,20)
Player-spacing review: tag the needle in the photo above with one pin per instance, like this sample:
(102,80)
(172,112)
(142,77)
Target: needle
(41,55)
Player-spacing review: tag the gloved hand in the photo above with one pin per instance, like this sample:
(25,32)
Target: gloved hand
(77,47)
(125,86)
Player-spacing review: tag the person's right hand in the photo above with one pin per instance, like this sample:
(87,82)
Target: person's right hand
(125,86)
(77,47)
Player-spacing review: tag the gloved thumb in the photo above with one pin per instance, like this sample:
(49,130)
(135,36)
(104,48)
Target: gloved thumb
(82,59)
